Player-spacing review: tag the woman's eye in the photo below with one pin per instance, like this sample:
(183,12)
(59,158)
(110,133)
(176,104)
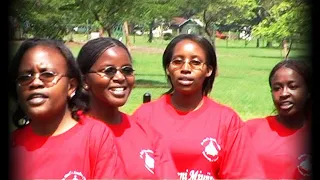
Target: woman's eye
(177,61)
(195,62)
(48,74)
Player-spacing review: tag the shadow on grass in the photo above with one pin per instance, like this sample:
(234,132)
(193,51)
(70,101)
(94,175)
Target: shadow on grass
(243,47)
(281,58)
(268,57)
(150,84)
(229,77)
(141,74)
(235,47)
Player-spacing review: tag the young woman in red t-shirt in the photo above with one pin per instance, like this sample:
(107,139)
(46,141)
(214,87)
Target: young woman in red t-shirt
(54,142)
(282,141)
(106,65)
(207,139)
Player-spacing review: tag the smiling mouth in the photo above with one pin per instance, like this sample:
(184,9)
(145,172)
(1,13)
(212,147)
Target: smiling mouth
(118,91)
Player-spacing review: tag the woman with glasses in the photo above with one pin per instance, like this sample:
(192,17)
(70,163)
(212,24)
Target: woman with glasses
(53,141)
(207,140)
(106,65)
(282,139)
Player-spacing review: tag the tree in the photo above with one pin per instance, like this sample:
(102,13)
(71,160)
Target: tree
(150,13)
(222,12)
(41,18)
(106,14)
(286,21)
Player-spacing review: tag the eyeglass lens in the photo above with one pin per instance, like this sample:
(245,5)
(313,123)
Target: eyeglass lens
(111,71)
(194,64)
(45,77)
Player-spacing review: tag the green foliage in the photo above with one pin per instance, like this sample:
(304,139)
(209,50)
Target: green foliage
(286,19)
(44,17)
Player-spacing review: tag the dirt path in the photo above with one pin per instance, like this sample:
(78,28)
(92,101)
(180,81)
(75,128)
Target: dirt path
(147,49)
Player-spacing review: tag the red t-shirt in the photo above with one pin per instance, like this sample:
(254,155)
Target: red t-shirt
(283,152)
(211,142)
(143,151)
(86,151)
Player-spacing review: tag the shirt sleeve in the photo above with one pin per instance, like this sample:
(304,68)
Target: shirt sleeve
(108,164)
(142,114)
(240,159)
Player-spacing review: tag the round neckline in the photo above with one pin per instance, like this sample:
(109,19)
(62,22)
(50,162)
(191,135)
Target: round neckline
(72,130)
(183,114)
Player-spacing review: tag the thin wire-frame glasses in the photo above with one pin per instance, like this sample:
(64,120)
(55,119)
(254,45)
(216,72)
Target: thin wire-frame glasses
(194,64)
(49,78)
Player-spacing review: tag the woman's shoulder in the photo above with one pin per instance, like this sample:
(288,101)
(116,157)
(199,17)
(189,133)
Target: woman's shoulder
(150,106)
(20,133)
(258,121)
(258,124)
(214,104)
(92,125)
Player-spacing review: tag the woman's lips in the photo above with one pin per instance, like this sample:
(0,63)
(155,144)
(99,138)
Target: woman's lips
(286,105)
(185,81)
(37,99)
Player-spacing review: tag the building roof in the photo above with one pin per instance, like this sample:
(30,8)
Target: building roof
(180,21)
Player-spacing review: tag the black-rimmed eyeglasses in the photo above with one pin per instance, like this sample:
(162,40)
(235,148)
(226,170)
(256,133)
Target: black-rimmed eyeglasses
(49,78)
(111,71)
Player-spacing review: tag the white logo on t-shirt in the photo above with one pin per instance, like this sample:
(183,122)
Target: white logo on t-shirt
(146,155)
(211,149)
(74,175)
(305,164)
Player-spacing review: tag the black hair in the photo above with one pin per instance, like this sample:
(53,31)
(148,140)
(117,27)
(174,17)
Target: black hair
(211,58)
(92,50)
(75,103)
(302,67)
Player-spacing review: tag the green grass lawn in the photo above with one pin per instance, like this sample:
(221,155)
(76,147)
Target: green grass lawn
(242,82)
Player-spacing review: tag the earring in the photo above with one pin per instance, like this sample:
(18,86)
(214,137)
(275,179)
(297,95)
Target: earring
(72,94)
(24,121)
(85,87)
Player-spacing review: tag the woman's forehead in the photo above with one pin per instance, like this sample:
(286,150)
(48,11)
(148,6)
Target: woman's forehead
(43,57)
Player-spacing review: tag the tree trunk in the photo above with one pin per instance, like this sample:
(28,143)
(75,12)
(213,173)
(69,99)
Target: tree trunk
(285,47)
(150,31)
(109,32)
(288,49)
(101,32)
(126,32)
(269,44)
(258,42)
(210,32)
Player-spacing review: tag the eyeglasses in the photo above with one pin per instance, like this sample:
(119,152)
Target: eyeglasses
(111,71)
(49,78)
(194,64)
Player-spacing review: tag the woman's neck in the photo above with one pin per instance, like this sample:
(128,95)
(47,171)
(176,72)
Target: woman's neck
(53,124)
(186,103)
(105,113)
(293,122)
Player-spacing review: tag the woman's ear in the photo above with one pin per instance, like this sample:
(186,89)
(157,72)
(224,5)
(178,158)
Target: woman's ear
(73,84)
(167,71)
(85,85)
(209,71)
